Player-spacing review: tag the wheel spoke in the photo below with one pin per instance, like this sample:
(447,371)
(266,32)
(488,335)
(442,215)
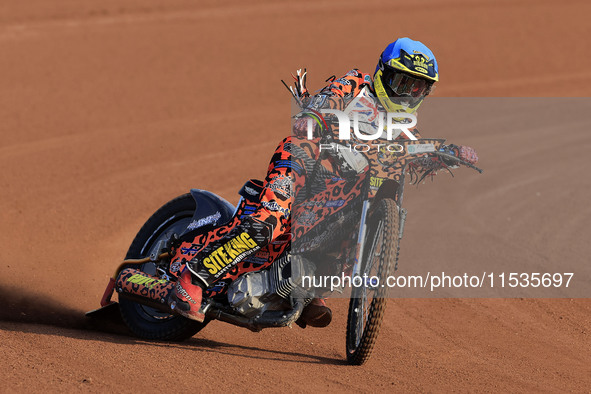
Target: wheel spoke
(365,307)
(368,302)
(150,313)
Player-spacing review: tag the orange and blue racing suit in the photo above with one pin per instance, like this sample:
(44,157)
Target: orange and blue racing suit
(215,254)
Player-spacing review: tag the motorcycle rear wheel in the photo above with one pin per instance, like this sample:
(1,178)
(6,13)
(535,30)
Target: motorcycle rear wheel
(379,259)
(144,321)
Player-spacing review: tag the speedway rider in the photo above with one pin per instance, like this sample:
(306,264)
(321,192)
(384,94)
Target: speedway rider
(406,71)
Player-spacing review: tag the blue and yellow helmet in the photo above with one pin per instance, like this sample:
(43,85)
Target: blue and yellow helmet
(405,74)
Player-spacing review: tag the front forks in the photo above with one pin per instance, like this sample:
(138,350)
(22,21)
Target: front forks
(360,239)
(362,230)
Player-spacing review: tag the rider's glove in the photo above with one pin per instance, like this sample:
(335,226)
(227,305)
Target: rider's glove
(464,153)
(300,126)
(468,154)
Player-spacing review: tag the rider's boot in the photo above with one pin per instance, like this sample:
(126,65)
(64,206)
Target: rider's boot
(186,298)
(315,314)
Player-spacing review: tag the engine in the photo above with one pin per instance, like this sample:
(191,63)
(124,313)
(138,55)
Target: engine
(271,289)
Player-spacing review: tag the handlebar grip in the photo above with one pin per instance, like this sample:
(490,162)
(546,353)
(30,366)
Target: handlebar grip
(459,161)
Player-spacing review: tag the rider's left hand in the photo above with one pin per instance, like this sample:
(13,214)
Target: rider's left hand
(468,154)
(300,127)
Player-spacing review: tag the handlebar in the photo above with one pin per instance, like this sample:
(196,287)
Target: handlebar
(457,160)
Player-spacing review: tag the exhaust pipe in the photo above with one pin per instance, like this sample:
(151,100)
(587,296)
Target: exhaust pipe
(268,319)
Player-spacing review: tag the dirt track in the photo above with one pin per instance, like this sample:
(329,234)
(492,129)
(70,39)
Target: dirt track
(109,111)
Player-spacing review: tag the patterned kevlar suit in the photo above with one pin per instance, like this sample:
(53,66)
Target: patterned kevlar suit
(213,254)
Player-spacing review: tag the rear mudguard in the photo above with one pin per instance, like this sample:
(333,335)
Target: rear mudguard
(210,208)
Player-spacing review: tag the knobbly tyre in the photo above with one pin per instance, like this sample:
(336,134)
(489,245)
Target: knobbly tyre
(354,226)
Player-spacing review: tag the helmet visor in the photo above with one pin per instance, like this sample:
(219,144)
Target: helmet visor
(400,84)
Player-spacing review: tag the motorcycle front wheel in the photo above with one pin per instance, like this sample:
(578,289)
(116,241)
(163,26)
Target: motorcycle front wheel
(144,321)
(368,302)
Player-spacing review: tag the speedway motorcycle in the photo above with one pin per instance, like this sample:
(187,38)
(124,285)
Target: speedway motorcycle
(348,223)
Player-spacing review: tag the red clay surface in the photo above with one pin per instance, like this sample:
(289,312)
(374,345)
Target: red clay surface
(109,110)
